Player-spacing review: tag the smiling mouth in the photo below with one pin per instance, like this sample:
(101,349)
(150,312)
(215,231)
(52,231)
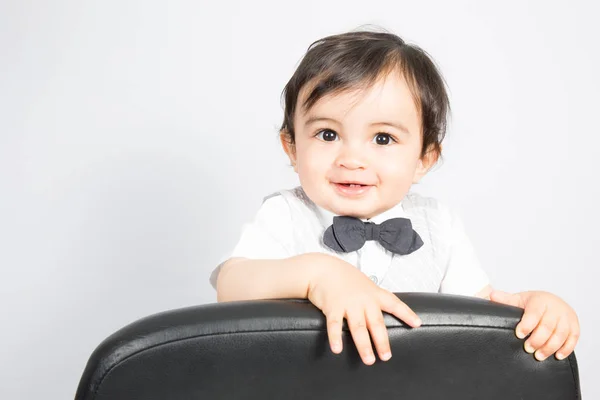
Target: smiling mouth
(351,189)
(352,184)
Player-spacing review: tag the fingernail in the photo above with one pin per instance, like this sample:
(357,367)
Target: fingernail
(529,348)
(370,359)
(520,334)
(337,347)
(386,356)
(418,321)
(540,356)
(560,356)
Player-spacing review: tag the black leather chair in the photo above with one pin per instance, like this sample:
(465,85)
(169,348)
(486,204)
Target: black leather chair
(465,349)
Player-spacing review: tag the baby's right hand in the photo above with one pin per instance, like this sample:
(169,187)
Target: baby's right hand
(341,291)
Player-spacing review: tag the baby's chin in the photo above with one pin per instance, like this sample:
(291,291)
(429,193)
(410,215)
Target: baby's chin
(361,214)
(364,206)
(363,209)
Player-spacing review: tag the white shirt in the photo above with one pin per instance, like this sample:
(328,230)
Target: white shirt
(288,223)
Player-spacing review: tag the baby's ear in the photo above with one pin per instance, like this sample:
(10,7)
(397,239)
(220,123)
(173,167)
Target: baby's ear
(288,147)
(425,163)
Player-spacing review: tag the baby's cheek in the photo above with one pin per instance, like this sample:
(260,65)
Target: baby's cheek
(395,181)
(314,162)
(395,171)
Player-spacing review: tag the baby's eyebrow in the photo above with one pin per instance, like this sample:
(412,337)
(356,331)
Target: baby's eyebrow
(315,118)
(396,125)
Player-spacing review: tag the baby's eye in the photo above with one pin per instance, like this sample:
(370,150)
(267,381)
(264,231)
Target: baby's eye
(328,135)
(384,139)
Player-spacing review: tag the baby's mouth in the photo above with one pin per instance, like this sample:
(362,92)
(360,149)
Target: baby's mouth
(351,189)
(352,184)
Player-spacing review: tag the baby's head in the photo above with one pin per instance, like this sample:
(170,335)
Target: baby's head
(363,107)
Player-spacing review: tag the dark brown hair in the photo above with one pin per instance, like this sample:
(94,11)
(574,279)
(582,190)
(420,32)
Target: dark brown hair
(355,60)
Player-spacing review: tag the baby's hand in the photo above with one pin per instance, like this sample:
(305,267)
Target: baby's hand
(342,291)
(554,323)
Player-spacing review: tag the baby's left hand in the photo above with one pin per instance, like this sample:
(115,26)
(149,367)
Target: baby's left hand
(554,323)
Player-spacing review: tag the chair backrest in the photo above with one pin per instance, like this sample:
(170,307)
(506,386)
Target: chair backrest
(466,348)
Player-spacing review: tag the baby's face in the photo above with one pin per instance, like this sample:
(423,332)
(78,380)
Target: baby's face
(372,138)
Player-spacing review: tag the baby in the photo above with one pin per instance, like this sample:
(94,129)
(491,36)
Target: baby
(365,115)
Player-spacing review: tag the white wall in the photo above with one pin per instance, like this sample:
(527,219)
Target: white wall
(137,137)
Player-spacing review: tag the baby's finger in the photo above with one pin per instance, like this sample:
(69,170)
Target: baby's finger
(531,318)
(541,333)
(569,345)
(335,321)
(379,332)
(557,339)
(390,303)
(360,335)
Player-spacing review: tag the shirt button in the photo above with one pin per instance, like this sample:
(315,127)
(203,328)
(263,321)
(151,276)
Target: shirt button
(373,278)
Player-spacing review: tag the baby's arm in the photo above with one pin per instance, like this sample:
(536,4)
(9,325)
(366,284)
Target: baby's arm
(249,279)
(265,264)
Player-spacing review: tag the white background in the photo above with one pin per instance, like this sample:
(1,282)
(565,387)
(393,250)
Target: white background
(137,137)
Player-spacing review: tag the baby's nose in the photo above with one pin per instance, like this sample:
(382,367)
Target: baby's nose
(352,157)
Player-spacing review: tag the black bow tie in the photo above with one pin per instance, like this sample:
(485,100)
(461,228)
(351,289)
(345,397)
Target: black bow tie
(349,234)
